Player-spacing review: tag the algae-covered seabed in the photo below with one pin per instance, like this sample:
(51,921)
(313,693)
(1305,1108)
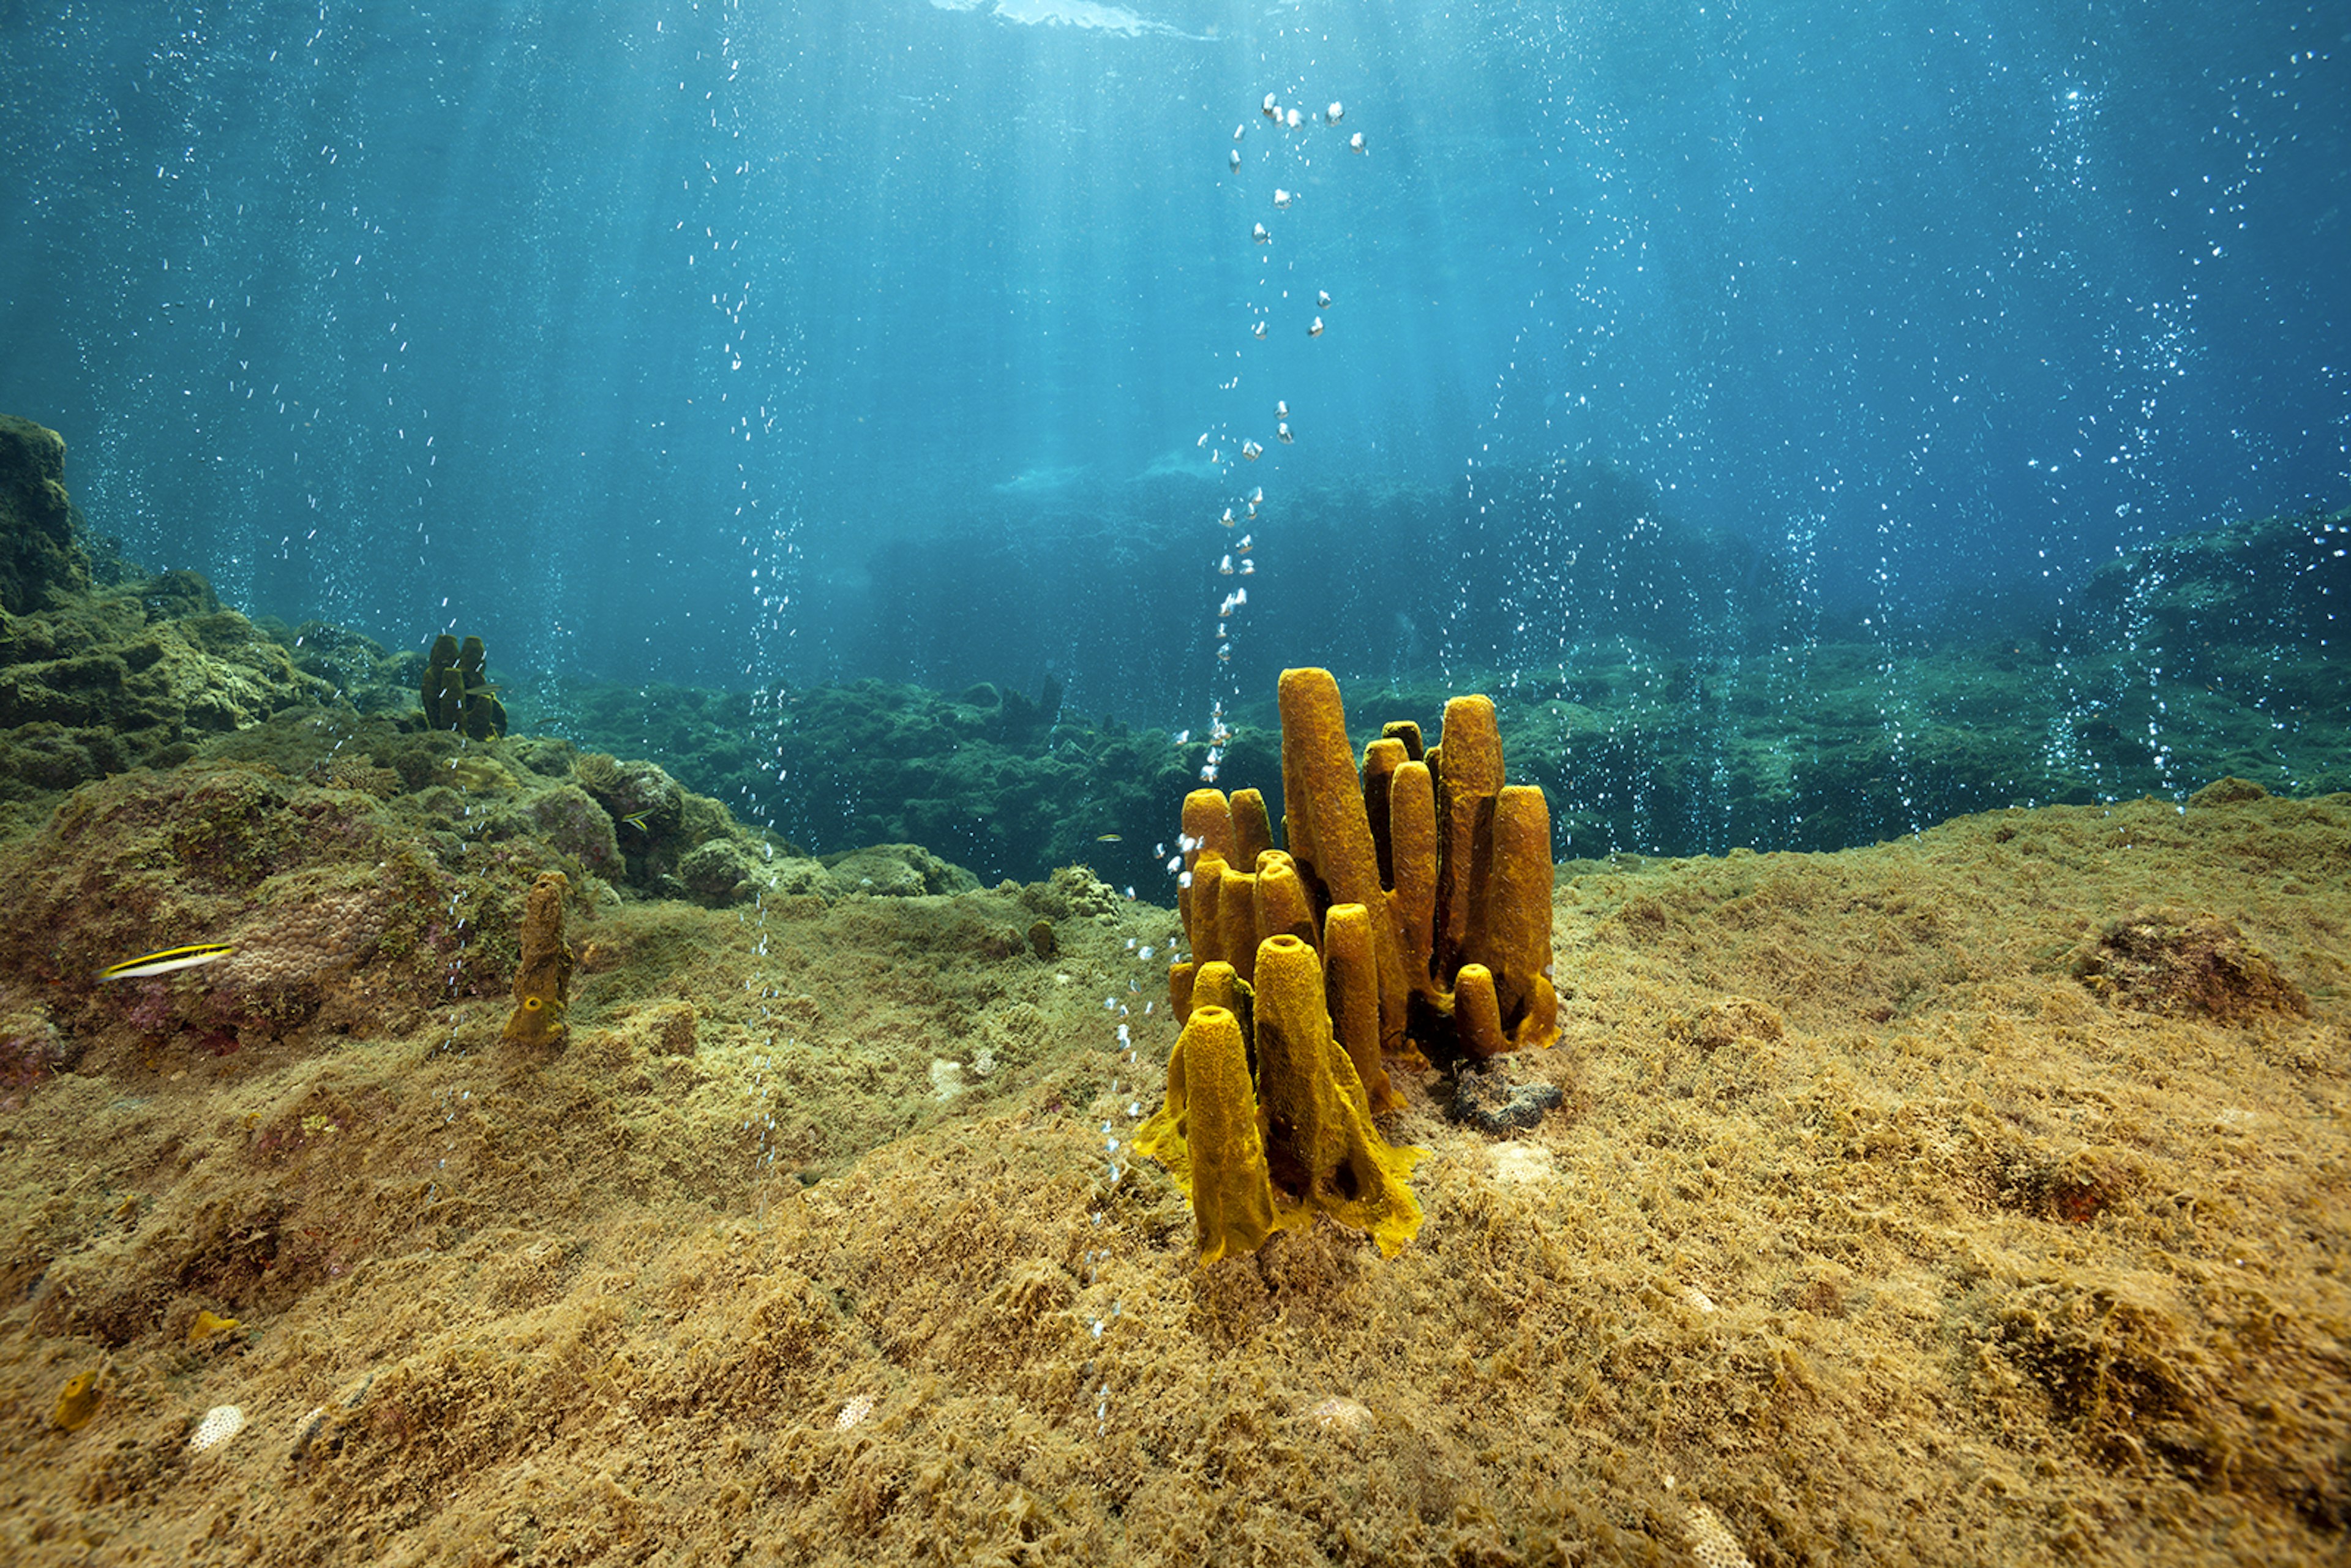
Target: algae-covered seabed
(1869,1229)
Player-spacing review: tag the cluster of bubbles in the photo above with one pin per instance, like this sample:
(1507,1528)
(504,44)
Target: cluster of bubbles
(1118,1133)
(1242,513)
(450,1103)
(1242,517)
(759,1114)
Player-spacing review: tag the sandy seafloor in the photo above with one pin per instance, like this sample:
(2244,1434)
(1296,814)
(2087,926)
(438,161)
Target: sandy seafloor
(1889,1218)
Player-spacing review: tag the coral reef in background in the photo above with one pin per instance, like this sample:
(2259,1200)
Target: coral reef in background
(615,827)
(1679,743)
(2176,670)
(1007,785)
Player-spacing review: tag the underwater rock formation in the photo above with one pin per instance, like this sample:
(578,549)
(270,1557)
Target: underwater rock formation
(2185,965)
(2248,582)
(96,685)
(983,776)
(670,839)
(896,870)
(1485,1100)
(99,678)
(39,549)
(337,918)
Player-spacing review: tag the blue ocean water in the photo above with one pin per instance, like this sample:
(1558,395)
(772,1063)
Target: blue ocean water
(753,344)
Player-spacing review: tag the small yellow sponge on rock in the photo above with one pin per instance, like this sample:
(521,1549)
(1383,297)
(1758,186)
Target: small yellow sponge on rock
(542,986)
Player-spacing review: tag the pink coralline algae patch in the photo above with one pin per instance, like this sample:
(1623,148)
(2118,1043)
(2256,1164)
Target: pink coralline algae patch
(155,1011)
(31,1050)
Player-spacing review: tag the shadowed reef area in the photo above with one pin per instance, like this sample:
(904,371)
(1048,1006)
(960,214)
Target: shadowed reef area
(1976,1196)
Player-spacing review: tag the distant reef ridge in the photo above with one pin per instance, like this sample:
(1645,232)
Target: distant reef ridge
(2206,655)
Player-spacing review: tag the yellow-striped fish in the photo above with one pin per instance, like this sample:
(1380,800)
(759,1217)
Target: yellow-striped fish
(637,819)
(164,962)
(1107,838)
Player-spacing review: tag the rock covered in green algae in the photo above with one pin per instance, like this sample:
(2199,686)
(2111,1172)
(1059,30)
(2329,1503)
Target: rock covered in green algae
(896,870)
(1009,786)
(40,551)
(2248,582)
(98,684)
(719,872)
(95,678)
(600,820)
(41,546)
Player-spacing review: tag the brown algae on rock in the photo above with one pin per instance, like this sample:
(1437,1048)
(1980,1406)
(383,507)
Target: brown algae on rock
(2032,1273)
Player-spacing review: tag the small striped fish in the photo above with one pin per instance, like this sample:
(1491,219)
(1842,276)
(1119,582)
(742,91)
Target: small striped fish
(164,962)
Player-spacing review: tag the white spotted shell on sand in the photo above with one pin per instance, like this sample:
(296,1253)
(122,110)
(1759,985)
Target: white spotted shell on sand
(220,1423)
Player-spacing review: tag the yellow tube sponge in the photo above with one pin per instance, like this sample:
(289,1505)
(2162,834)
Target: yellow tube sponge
(1322,803)
(1412,836)
(1320,1150)
(1282,906)
(1252,830)
(1179,989)
(1468,774)
(1219,986)
(1236,914)
(1208,825)
(542,986)
(1202,928)
(77,1401)
(1266,1122)
(1477,1019)
(1418,884)
(1351,987)
(1208,830)
(1208,1133)
(1510,916)
(1318,761)
(1381,758)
